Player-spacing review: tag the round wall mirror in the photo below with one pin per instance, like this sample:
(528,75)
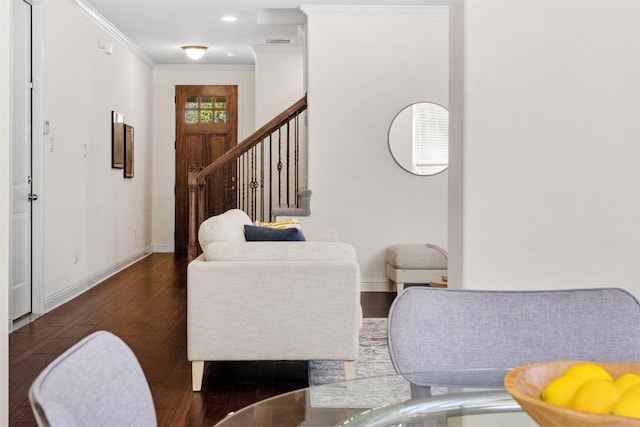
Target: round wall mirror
(419,138)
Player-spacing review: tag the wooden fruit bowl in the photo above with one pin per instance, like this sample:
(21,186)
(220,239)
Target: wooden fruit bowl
(525,384)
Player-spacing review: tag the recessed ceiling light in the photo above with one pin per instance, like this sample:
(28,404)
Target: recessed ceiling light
(229,18)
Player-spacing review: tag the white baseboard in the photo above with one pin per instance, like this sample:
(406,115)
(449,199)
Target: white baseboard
(81,286)
(163,249)
(374,285)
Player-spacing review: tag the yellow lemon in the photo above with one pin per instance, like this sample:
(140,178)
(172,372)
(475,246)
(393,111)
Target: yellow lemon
(595,396)
(629,403)
(588,371)
(561,390)
(623,382)
(634,389)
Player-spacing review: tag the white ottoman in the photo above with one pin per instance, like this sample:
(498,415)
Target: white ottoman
(414,263)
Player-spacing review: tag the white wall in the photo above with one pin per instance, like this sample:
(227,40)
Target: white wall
(279,79)
(89,207)
(279,84)
(165,79)
(5,182)
(364,66)
(400,132)
(549,153)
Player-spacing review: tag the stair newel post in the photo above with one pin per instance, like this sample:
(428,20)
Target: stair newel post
(192,249)
(202,201)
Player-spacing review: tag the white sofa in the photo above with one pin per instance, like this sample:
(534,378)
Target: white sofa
(271,300)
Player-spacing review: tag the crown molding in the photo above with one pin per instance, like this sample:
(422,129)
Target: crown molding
(316,9)
(112,30)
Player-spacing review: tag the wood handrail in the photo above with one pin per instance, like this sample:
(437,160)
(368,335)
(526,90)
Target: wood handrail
(253,139)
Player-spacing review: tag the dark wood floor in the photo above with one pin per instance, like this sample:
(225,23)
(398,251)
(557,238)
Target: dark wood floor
(145,305)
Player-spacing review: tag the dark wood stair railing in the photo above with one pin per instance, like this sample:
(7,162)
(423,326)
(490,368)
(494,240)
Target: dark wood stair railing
(246,184)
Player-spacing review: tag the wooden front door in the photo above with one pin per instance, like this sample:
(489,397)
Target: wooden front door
(206,127)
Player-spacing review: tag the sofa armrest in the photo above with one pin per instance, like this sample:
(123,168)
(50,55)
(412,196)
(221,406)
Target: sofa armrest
(263,310)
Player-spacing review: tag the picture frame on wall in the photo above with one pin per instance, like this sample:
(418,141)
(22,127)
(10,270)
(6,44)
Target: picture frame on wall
(128,151)
(117,140)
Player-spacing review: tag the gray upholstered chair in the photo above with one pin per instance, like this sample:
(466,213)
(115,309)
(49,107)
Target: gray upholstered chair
(449,330)
(97,382)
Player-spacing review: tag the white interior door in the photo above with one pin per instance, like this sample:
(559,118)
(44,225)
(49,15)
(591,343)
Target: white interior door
(20,243)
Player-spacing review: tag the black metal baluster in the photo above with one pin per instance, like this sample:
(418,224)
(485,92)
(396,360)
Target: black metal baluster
(243,181)
(262,180)
(237,183)
(254,184)
(280,167)
(288,173)
(297,154)
(270,177)
(246,182)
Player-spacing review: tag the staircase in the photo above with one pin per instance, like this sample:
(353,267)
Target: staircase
(302,207)
(262,175)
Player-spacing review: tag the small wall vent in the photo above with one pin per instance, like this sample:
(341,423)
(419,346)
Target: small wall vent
(277,41)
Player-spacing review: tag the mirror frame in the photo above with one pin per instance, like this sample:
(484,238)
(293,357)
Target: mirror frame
(391,146)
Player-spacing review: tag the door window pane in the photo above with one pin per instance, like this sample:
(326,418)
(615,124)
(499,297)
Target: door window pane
(206,116)
(191,116)
(192,102)
(221,103)
(221,116)
(206,102)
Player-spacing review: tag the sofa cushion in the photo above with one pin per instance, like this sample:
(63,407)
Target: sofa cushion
(280,224)
(321,234)
(226,227)
(261,234)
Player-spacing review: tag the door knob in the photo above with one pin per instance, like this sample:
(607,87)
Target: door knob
(32,197)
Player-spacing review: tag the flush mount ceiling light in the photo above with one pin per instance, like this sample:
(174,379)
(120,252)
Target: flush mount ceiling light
(229,18)
(194,52)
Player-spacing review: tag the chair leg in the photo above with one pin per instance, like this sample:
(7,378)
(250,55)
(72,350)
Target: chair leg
(349,369)
(197,372)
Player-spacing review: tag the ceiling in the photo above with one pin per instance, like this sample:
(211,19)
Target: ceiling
(158,28)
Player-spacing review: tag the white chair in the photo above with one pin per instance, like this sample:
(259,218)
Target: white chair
(97,382)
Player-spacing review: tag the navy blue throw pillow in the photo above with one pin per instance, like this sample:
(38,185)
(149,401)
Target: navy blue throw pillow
(263,234)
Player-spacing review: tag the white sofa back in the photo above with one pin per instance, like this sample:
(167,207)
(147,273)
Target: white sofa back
(222,239)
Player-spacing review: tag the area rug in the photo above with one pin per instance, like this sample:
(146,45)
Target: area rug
(374,364)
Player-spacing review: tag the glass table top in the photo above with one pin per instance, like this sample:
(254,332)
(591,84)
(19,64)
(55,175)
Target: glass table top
(387,401)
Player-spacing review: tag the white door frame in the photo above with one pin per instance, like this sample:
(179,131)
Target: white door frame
(37,167)
(37,156)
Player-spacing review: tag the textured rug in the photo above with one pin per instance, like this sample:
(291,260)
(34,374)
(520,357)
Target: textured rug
(373,363)
(373,358)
